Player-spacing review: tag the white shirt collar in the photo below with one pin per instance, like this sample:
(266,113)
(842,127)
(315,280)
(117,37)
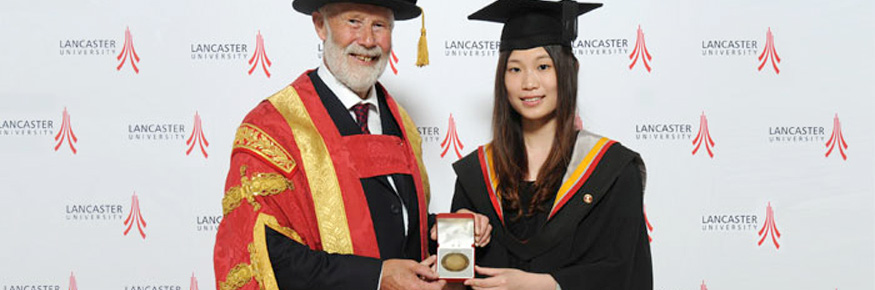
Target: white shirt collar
(346,96)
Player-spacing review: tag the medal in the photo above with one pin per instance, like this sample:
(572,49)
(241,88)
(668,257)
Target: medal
(455,262)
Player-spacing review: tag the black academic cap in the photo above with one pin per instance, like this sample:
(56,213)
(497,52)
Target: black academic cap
(534,23)
(403,9)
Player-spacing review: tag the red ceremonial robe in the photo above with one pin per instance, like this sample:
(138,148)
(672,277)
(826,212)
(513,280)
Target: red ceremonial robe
(292,172)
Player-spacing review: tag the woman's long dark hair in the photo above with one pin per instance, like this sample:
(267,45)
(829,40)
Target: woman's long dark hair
(509,151)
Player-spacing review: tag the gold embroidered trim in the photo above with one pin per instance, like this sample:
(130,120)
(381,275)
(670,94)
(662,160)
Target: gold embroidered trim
(237,277)
(258,255)
(257,141)
(324,186)
(271,222)
(263,184)
(260,268)
(416,142)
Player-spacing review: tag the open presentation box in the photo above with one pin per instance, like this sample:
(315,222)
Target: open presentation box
(455,253)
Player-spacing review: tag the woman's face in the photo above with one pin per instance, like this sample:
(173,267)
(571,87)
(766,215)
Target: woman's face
(531,85)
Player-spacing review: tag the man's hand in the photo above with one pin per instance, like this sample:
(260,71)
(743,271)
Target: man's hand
(407,274)
(482,229)
(507,279)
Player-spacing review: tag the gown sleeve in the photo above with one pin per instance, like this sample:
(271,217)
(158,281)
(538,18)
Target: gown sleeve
(612,245)
(298,267)
(287,262)
(461,199)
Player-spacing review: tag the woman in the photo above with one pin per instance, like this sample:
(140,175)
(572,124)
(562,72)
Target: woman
(566,204)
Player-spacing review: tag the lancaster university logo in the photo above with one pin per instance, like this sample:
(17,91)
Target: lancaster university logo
(66,133)
(197,137)
(193,285)
(704,136)
(452,140)
(135,217)
(769,228)
(649,226)
(206,51)
(392,61)
(208,223)
(837,139)
(73,282)
(471,48)
(769,53)
(260,56)
(128,52)
(640,51)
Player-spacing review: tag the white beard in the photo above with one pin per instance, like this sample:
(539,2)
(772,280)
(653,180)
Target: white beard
(358,78)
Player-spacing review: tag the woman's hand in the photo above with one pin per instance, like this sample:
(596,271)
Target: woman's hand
(507,279)
(482,229)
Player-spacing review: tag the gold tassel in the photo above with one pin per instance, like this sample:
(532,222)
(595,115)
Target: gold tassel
(422,53)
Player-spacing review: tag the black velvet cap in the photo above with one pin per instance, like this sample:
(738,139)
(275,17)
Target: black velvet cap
(403,9)
(534,23)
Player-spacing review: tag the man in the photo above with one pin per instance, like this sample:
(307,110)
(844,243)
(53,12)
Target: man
(326,188)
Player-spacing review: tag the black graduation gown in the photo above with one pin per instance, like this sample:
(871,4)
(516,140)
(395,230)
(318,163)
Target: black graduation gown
(595,239)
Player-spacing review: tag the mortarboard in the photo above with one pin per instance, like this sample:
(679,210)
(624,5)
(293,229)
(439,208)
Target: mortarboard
(533,23)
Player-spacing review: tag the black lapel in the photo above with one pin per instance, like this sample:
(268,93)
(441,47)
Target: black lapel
(390,125)
(403,182)
(406,187)
(339,114)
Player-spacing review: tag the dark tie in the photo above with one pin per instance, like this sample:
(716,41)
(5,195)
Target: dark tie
(361,116)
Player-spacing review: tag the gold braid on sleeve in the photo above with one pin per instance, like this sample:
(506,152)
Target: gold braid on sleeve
(253,139)
(237,277)
(259,184)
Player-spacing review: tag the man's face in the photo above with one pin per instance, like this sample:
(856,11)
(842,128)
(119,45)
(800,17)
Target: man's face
(357,42)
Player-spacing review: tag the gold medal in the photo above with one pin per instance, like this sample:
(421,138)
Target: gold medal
(455,262)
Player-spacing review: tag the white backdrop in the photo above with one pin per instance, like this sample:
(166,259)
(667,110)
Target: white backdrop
(136,206)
